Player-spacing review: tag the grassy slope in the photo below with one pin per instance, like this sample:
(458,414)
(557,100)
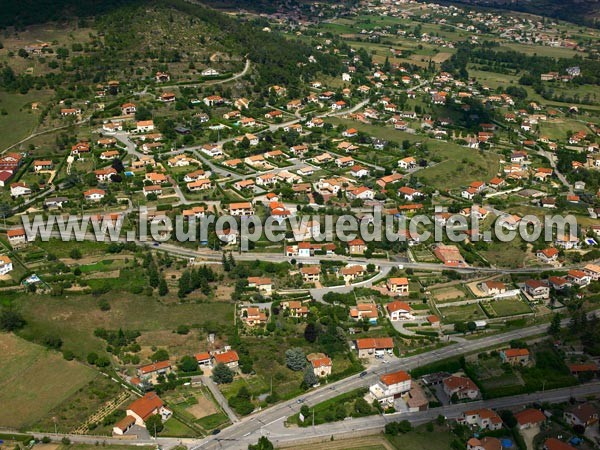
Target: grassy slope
(34,380)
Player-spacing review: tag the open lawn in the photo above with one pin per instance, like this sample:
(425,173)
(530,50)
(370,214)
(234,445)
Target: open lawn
(458,165)
(510,307)
(462,313)
(75,318)
(420,439)
(19,121)
(448,294)
(375,442)
(33,381)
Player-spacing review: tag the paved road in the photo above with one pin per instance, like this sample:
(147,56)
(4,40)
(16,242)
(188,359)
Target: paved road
(278,434)
(249,428)
(220,398)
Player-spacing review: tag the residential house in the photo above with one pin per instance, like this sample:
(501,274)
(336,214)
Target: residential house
(365,311)
(515,356)
(229,358)
(491,287)
(151,372)
(253,316)
(94,195)
(391,386)
(321,366)
(484,419)
(398,310)
(461,388)
(263,284)
(310,274)
(547,255)
(6,265)
(374,346)
(536,290)
(584,414)
(530,418)
(241,209)
(398,285)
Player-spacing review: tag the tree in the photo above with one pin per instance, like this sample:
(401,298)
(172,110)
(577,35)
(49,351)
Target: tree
(11,320)
(295,359)
(188,364)
(163,289)
(362,407)
(310,332)
(263,444)
(222,374)
(554,327)
(75,253)
(92,358)
(160,355)
(310,379)
(154,424)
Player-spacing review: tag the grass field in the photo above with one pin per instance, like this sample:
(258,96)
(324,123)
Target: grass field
(461,313)
(420,439)
(34,380)
(448,294)
(510,307)
(75,318)
(458,167)
(20,120)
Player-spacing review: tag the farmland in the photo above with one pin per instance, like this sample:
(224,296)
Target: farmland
(32,381)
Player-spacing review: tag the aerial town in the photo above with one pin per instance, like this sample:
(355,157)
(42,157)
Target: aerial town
(125,126)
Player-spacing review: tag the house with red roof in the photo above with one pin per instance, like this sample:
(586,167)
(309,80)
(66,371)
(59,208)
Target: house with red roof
(150,372)
(547,255)
(229,357)
(398,285)
(140,410)
(367,347)
(398,310)
(462,387)
(555,444)
(484,418)
(391,386)
(515,356)
(530,418)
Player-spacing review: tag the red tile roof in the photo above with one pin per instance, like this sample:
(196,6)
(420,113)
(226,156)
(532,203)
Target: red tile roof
(530,416)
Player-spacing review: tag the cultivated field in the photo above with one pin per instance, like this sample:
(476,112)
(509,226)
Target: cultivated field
(34,380)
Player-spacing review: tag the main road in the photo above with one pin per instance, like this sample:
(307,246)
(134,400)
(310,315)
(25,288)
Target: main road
(249,429)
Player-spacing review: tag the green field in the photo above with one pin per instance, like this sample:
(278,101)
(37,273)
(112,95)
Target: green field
(20,121)
(461,313)
(510,307)
(458,167)
(75,318)
(420,439)
(34,380)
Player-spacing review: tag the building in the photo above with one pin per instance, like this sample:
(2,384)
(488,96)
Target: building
(486,443)
(365,311)
(398,286)
(241,209)
(461,387)
(16,237)
(263,284)
(530,418)
(449,255)
(391,386)
(515,356)
(321,366)
(94,195)
(555,444)
(547,255)
(357,246)
(484,419)
(536,290)
(295,308)
(203,359)
(493,287)
(6,265)
(253,316)
(140,410)
(310,274)
(374,346)
(398,310)
(229,357)
(151,372)
(584,415)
